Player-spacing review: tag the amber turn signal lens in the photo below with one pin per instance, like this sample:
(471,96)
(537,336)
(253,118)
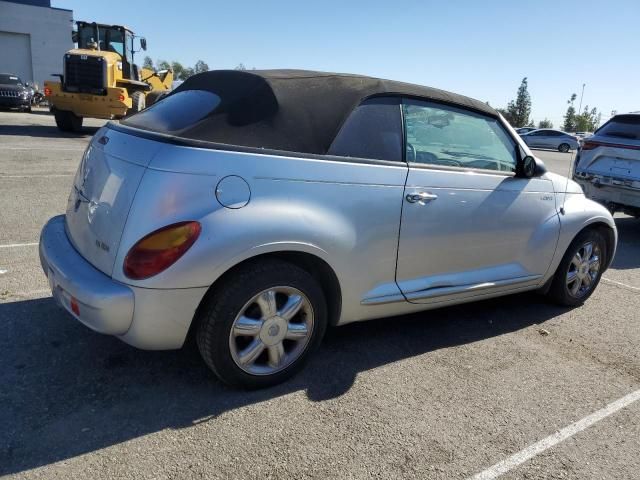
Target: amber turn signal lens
(160,249)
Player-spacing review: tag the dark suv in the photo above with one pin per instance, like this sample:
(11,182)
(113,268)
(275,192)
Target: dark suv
(14,93)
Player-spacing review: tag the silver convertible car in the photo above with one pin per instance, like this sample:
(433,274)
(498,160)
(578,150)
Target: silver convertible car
(253,210)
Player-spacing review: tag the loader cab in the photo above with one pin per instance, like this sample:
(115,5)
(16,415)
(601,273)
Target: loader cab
(110,38)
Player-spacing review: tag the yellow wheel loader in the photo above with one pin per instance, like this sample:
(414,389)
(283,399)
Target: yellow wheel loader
(100,78)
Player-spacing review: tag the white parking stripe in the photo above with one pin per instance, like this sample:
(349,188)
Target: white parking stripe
(522,456)
(41,175)
(620,284)
(33,293)
(17,245)
(57,149)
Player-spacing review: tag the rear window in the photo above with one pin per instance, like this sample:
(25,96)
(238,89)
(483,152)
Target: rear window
(176,112)
(622,126)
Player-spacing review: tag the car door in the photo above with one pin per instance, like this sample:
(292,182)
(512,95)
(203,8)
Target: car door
(469,225)
(532,138)
(548,139)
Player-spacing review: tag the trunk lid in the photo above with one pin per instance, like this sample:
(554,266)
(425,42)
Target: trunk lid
(608,156)
(103,191)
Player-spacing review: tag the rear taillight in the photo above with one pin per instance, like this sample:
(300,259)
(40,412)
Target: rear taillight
(47,92)
(589,145)
(160,249)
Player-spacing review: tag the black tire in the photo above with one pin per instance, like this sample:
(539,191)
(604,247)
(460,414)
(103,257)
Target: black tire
(560,291)
(221,307)
(137,102)
(155,96)
(68,121)
(26,108)
(564,147)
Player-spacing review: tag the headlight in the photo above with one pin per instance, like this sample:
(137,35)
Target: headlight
(25,93)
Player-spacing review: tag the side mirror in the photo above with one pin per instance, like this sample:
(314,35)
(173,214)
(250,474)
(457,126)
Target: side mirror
(531,167)
(143,43)
(74,36)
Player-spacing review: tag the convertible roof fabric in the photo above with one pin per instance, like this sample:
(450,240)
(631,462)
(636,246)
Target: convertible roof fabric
(293,110)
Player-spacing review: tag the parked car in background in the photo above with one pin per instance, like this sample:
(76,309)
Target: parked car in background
(14,93)
(608,164)
(253,209)
(525,130)
(549,138)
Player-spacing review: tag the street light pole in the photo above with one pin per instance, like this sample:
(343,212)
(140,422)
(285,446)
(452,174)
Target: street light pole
(581,95)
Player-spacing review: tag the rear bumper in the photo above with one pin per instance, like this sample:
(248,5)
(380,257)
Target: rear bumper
(110,106)
(151,319)
(608,193)
(104,305)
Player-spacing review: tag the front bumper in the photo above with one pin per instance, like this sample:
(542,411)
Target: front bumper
(99,302)
(14,102)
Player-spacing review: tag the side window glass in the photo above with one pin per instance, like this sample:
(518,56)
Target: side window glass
(373,130)
(443,135)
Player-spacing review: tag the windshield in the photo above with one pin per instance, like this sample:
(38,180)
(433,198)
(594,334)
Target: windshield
(9,79)
(109,39)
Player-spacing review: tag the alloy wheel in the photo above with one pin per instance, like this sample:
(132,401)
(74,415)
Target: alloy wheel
(583,270)
(271,331)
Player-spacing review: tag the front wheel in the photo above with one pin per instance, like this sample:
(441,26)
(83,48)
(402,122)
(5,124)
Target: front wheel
(259,328)
(68,121)
(580,270)
(564,147)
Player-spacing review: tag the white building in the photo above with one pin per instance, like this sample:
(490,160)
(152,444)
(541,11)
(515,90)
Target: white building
(33,39)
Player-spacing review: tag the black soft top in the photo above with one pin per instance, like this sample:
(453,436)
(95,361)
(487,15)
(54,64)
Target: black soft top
(290,110)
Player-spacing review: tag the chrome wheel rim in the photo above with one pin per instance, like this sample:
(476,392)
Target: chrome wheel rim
(271,331)
(583,270)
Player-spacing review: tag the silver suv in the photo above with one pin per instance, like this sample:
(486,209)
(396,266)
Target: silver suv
(255,209)
(608,164)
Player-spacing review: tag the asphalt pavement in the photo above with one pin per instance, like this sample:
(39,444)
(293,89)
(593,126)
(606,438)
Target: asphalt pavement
(447,394)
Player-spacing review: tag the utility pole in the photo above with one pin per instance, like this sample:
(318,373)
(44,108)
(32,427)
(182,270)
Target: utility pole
(581,95)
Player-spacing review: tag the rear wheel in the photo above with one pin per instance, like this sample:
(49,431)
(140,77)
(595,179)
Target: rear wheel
(260,327)
(137,102)
(580,270)
(564,147)
(68,121)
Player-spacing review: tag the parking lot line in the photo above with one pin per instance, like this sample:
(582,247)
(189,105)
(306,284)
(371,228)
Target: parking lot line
(620,284)
(537,448)
(45,175)
(18,245)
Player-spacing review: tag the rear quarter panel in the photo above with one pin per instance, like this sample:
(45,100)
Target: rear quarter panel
(347,214)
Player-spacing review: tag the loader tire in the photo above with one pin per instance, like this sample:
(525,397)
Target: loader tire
(68,121)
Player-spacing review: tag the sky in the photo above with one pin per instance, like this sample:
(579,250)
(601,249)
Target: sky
(480,48)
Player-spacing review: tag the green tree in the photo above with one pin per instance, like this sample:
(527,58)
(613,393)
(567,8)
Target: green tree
(570,116)
(546,123)
(163,65)
(240,66)
(520,108)
(507,115)
(588,120)
(201,67)
(148,62)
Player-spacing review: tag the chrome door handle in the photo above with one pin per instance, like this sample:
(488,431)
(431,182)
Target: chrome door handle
(421,198)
